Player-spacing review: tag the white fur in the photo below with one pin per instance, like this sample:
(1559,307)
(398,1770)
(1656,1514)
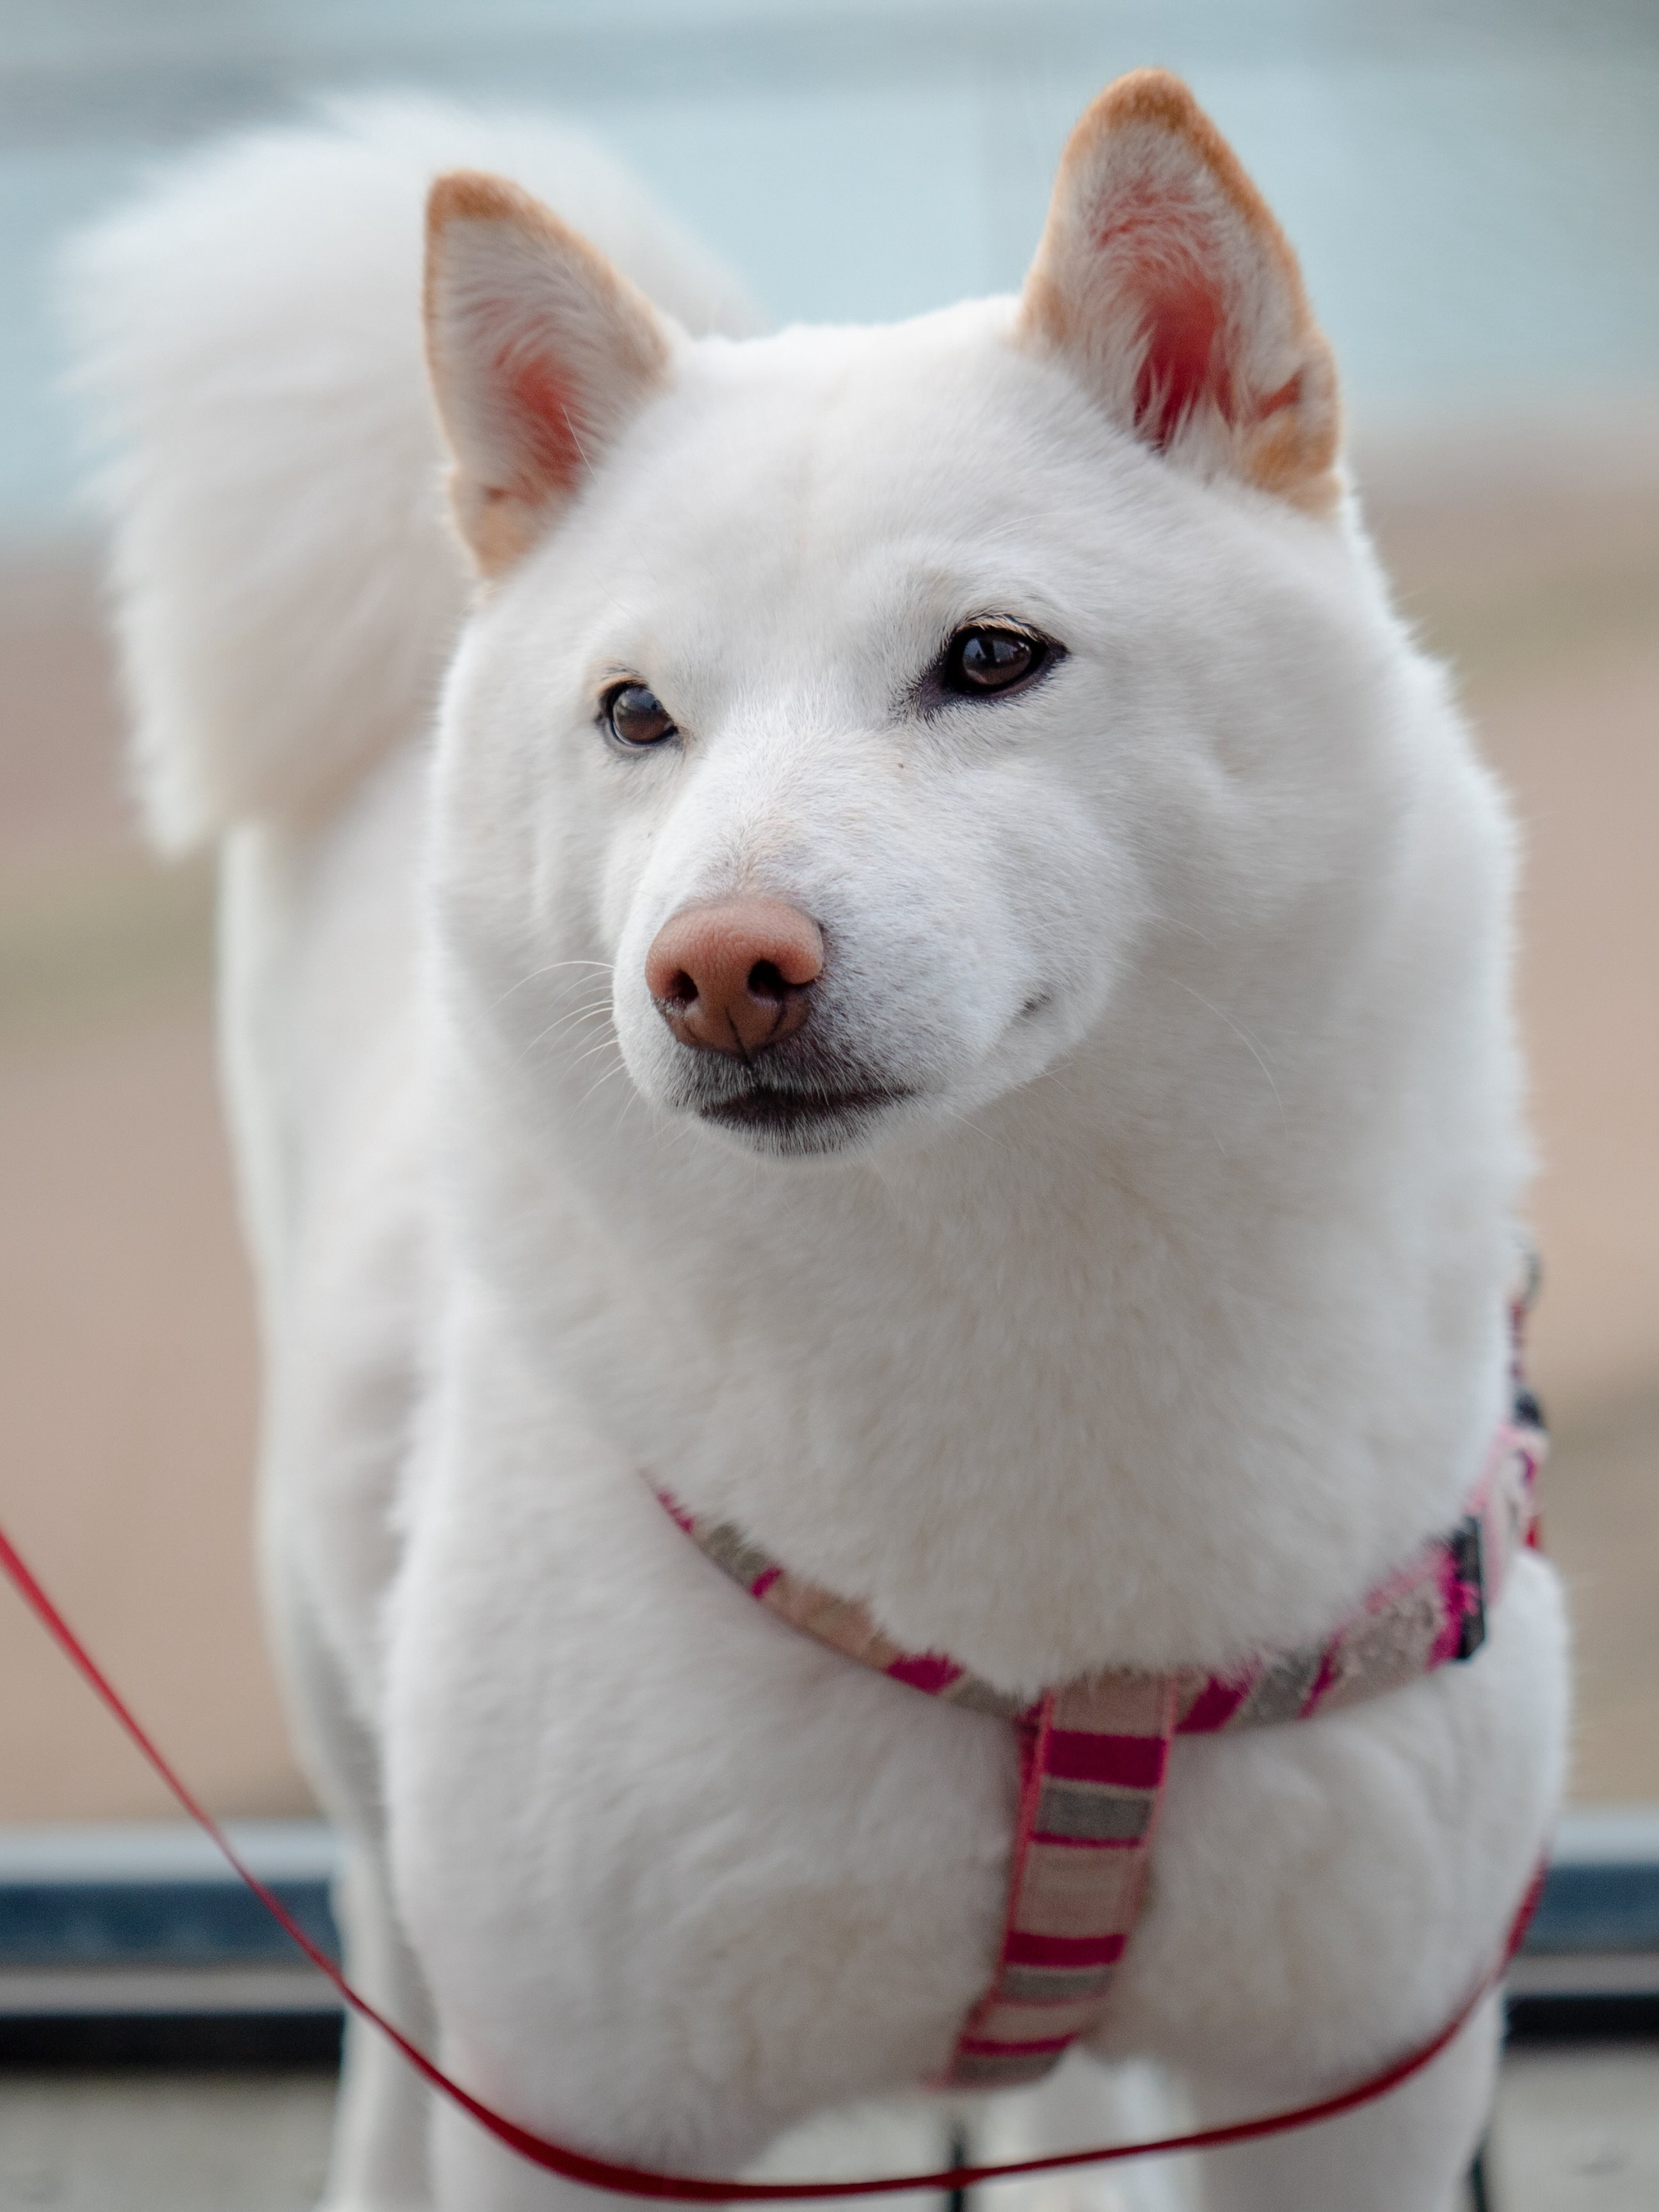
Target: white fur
(251,346)
(1162,1319)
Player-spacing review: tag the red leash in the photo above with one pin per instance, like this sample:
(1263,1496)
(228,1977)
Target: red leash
(694,2189)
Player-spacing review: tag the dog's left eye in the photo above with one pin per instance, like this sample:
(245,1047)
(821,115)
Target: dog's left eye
(981,660)
(635,716)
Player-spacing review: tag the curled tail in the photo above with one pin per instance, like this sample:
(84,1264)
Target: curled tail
(247,338)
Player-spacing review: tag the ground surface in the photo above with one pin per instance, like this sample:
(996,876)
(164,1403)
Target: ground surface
(127,1419)
(1575,2131)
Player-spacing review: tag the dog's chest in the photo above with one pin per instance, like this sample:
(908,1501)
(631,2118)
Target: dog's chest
(1042,1461)
(619,1790)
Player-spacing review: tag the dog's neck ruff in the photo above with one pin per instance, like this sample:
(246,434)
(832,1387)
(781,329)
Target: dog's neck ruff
(1094,1752)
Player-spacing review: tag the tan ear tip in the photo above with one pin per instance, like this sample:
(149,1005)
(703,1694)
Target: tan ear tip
(1149,95)
(472,195)
(1154,97)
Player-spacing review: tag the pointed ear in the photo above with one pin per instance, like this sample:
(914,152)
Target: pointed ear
(539,352)
(1163,280)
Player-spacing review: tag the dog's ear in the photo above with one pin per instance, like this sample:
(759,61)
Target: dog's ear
(539,351)
(1164,280)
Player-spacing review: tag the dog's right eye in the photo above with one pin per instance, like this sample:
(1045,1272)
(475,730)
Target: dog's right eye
(635,716)
(988,660)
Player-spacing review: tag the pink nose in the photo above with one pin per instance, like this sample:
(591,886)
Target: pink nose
(735,977)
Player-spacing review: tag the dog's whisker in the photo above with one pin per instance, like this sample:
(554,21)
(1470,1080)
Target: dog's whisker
(610,1075)
(552,967)
(578,1014)
(554,1030)
(598,1011)
(1245,1039)
(604,1044)
(1174,921)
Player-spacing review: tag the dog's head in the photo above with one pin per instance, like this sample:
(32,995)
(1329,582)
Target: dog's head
(847,711)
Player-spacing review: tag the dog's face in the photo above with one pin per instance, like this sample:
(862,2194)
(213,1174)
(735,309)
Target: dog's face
(848,708)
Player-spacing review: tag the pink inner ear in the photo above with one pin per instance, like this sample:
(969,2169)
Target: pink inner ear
(1155,253)
(1184,364)
(543,410)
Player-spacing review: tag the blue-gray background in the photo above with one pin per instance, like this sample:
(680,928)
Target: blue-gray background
(1474,186)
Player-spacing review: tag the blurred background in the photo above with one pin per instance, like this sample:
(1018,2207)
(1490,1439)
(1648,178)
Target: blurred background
(1474,186)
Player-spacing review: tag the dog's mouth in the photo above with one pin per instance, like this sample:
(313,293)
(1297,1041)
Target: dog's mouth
(809,1094)
(799,1120)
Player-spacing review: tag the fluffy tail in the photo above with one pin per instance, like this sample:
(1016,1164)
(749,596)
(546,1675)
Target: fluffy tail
(286,585)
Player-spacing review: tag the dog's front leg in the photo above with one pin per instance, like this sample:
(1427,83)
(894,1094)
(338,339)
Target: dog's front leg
(1406,2152)
(378,2162)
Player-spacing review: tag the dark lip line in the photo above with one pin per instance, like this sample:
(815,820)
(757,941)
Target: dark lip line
(764,1104)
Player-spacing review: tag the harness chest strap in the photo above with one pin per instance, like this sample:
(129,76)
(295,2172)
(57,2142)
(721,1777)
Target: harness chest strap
(1094,1752)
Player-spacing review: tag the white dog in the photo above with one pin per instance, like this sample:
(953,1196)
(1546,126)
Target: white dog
(937,987)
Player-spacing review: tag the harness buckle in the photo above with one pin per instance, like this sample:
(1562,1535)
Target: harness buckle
(1468,1560)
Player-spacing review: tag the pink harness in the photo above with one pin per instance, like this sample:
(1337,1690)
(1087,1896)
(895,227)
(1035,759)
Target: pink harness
(1093,1753)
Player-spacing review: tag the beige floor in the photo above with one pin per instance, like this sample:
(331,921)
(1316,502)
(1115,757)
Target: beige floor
(1575,2131)
(126,1419)
(105,2144)
(1578,2131)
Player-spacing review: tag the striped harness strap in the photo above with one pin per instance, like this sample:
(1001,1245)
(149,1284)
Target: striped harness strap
(1093,1753)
